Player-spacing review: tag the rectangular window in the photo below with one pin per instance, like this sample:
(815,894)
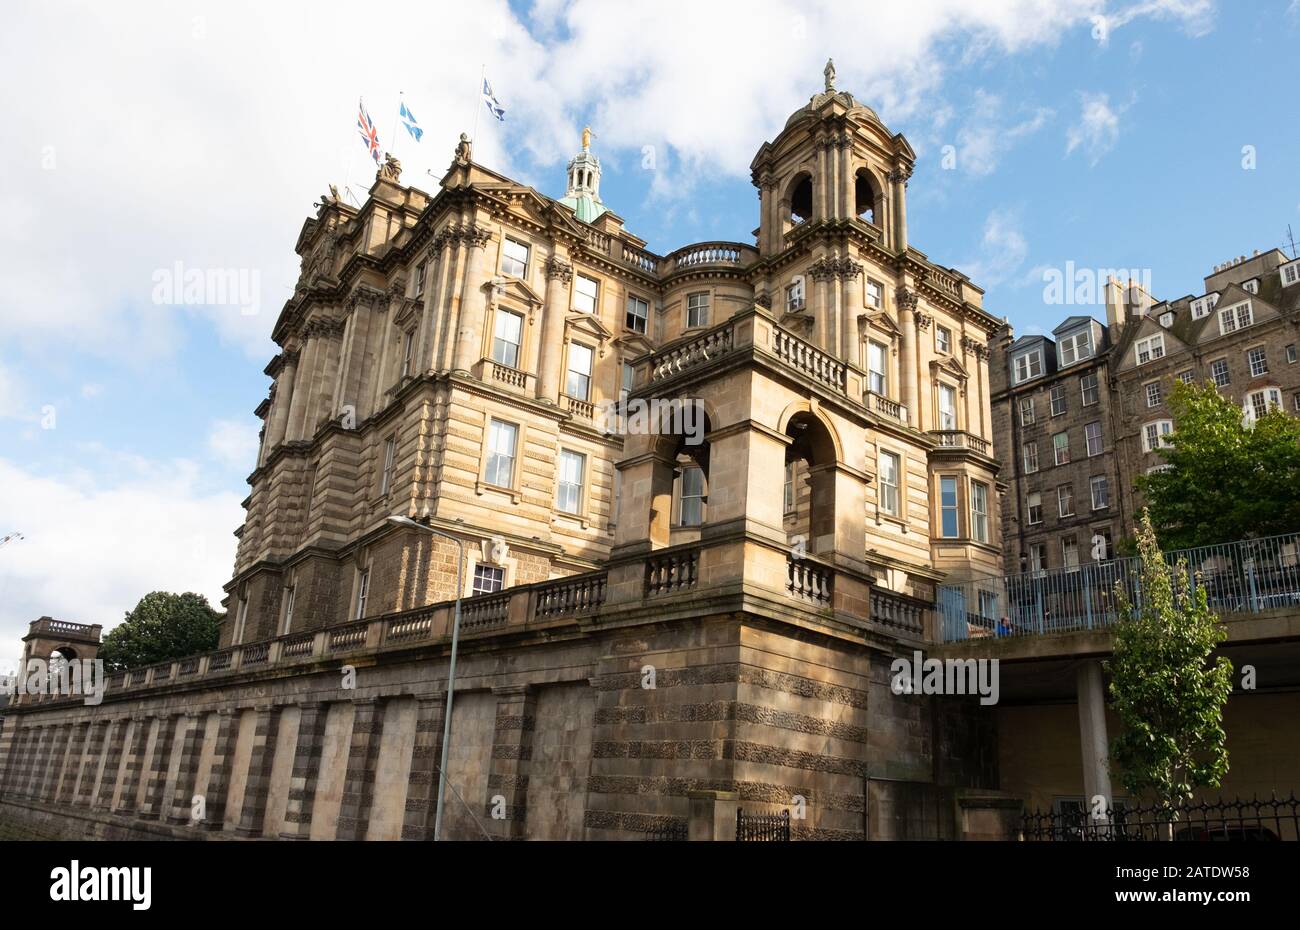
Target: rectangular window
(408,352)
(585,293)
(1065,500)
(1058,399)
(942,340)
(506,337)
(979,511)
(638,314)
(875,294)
(1037,557)
(889,467)
(697,310)
(1251,287)
(1075,348)
(568,496)
(1153,435)
(1100,492)
(1029,365)
(788,499)
(390,453)
(1030,453)
(1034,504)
(1088,389)
(288,611)
(1290,275)
(514,259)
(1061,448)
(1259,402)
(1069,553)
(947,407)
(502,437)
(1232,319)
(578,384)
(1258,361)
(1187,377)
(488,579)
(1026,411)
(794,296)
(948,507)
(1153,394)
(1219,372)
(419,279)
(1150,348)
(363,594)
(877,370)
(692,496)
(1092,438)
(241,620)
(1290,355)
(628,378)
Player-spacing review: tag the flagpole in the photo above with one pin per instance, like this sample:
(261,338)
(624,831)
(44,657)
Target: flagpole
(393,135)
(482,76)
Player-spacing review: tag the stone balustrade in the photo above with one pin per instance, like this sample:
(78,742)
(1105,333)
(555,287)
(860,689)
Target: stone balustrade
(883,405)
(899,614)
(808,360)
(809,581)
(687,355)
(671,571)
(960,439)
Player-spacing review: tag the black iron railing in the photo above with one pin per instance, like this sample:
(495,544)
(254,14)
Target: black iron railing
(762,828)
(1215,821)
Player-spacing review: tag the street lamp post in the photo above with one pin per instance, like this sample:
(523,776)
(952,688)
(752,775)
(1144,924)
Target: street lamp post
(451,672)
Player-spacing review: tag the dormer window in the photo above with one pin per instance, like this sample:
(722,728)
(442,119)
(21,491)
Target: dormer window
(1150,348)
(1291,274)
(1028,365)
(1167,319)
(1234,318)
(1203,305)
(1251,286)
(1075,347)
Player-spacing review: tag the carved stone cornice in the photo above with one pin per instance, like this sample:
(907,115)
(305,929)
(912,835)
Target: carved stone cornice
(824,270)
(974,347)
(901,173)
(906,299)
(849,269)
(324,327)
(559,269)
(475,236)
(923,320)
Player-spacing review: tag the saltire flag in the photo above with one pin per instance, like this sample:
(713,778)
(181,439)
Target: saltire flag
(494,106)
(408,120)
(369,134)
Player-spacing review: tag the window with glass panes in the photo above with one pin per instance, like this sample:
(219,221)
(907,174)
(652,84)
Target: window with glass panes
(1058,399)
(419,279)
(1088,389)
(874,294)
(390,454)
(578,383)
(514,259)
(692,508)
(638,314)
(947,407)
(1258,361)
(1061,448)
(1029,365)
(697,309)
(1153,394)
(1065,500)
(1026,411)
(502,438)
(1100,492)
(942,340)
(979,511)
(585,293)
(488,579)
(877,372)
(889,468)
(1069,552)
(1034,508)
(408,352)
(506,334)
(1219,373)
(788,498)
(363,593)
(1030,450)
(568,494)
(948,521)
(1186,376)
(1092,438)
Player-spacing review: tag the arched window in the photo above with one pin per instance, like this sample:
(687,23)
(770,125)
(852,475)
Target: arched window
(866,197)
(810,458)
(799,199)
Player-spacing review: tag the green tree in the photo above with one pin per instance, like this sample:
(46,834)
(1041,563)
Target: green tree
(1165,686)
(1228,479)
(162,626)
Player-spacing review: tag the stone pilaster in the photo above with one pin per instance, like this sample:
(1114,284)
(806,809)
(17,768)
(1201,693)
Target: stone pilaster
(266,728)
(512,750)
(11,742)
(363,757)
(54,763)
(72,766)
(187,772)
(422,783)
(155,802)
(550,353)
(114,744)
(36,768)
(223,757)
(134,763)
(306,771)
(90,765)
(469,331)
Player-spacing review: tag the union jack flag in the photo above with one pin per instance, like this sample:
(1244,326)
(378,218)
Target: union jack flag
(369,134)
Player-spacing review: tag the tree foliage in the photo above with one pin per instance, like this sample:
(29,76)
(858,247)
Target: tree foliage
(1228,479)
(162,626)
(1164,684)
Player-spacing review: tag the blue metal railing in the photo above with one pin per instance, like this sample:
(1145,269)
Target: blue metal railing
(1241,577)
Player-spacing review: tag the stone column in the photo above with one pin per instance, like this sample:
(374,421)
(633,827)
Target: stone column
(363,758)
(512,750)
(114,743)
(469,329)
(266,729)
(306,771)
(550,355)
(898,178)
(906,301)
(821,209)
(90,764)
(187,773)
(422,784)
(825,336)
(134,763)
(1092,733)
(72,767)
(458,255)
(156,803)
(223,757)
(296,426)
(851,305)
(284,384)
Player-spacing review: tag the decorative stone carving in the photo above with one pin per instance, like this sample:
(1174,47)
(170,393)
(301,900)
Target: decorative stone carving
(974,347)
(463,150)
(558,268)
(901,173)
(849,269)
(905,299)
(764,300)
(824,270)
(923,320)
(390,170)
(829,73)
(475,236)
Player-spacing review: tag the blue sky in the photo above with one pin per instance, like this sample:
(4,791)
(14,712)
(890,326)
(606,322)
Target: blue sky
(1107,134)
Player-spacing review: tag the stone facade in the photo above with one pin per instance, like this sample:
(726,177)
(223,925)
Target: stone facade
(634,648)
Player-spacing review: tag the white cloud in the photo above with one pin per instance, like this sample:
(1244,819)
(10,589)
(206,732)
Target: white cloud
(234,443)
(1097,130)
(93,546)
(1003,249)
(985,138)
(1196,16)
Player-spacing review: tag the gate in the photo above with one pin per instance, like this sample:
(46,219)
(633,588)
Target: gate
(762,828)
